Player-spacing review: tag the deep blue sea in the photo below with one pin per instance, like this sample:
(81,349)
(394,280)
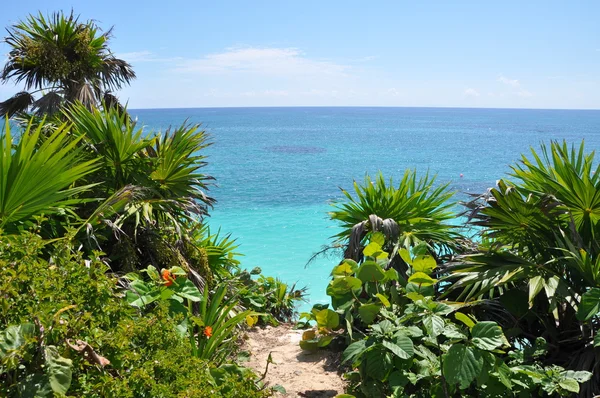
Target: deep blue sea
(277,169)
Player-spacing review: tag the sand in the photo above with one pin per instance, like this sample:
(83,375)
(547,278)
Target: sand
(301,373)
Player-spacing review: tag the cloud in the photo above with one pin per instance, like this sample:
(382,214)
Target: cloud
(510,82)
(263,61)
(393,92)
(515,84)
(471,92)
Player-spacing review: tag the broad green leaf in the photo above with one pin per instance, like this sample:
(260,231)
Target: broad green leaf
(424,264)
(535,286)
(58,370)
(434,325)
(392,275)
(309,345)
(324,341)
(569,385)
(340,286)
(414,296)
(327,319)
(378,238)
(344,269)
(422,279)
(581,376)
(15,336)
(487,336)
(153,273)
(405,255)
(186,289)
(370,271)
(378,363)
(402,346)
(354,350)
(590,304)
(384,300)
(368,312)
(597,340)
(462,365)
(464,319)
(372,249)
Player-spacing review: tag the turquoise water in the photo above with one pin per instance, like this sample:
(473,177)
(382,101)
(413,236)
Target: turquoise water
(278,168)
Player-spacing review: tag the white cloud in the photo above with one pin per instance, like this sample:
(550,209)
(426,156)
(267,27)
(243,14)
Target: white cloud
(393,92)
(264,61)
(510,82)
(471,92)
(516,85)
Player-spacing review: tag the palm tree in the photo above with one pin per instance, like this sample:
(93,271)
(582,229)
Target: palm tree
(61,60)
(540,254)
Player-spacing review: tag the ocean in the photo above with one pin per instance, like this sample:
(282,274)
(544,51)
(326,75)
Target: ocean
(278,169)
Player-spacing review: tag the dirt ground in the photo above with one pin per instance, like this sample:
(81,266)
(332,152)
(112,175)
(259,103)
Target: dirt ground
(301,373)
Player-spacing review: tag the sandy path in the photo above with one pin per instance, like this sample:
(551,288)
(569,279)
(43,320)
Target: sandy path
(302,374)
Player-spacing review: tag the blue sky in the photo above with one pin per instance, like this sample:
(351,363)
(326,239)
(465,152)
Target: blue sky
(516,54)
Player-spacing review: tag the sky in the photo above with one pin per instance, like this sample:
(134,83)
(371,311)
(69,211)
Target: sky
(492,54)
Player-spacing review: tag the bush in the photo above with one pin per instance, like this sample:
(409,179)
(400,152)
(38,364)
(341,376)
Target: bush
(69,302)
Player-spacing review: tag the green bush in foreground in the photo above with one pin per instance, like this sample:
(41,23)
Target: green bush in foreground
(51,309)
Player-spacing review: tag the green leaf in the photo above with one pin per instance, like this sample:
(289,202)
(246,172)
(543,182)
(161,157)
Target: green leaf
(370,271)
(569,385)
(186,289)
(487,336)
(378,363)
(372,249)
(340,286)
(378,238)
(353,351)
(462,365)
(15,336)
(153,273)
(309,345)
(535,286)
(324,341)
(402,346)
(464,319)
(590,304)
(383,299)
(597,340)
(58,370)
(346,268)
(368,312)
(327,319)
(422,279)
(424,264)
(405,255)
(434,325)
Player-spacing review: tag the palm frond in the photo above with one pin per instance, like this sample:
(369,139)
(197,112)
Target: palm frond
(18,103)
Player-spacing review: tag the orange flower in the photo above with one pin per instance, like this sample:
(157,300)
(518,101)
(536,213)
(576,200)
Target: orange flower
(208,331)
(168,277)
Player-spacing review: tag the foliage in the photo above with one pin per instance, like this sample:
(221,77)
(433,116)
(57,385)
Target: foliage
(65,59)
(539,255)
(415,211)
(26,191)
(52,308)
(269,296)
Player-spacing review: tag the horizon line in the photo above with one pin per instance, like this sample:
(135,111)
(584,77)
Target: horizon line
(366,106)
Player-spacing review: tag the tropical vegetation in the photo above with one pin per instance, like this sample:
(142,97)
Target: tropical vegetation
(513,309)
(113,284)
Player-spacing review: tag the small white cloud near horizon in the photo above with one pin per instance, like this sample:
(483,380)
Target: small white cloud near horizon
(393,92)
(471,92)
(510,82)
(515,84)
(265,61)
